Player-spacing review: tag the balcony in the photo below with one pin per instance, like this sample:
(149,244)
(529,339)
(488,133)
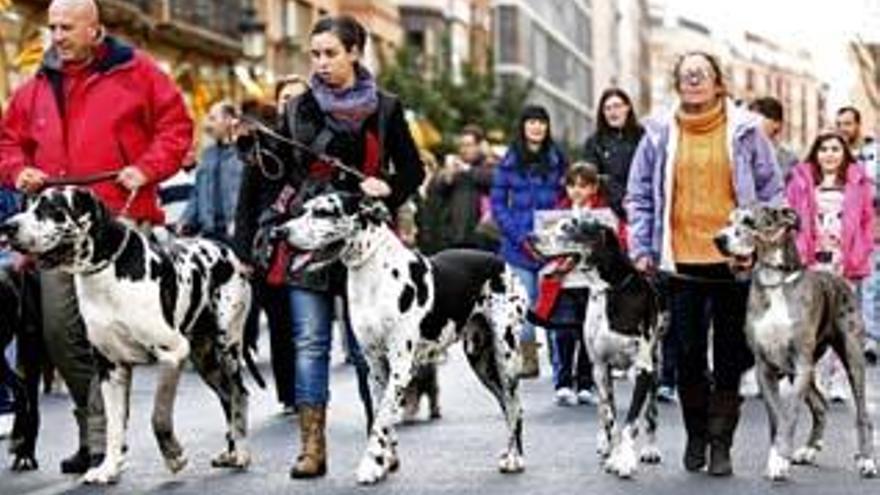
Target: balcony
(207,25)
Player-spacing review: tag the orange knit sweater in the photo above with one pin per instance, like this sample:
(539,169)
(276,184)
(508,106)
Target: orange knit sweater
(703,194)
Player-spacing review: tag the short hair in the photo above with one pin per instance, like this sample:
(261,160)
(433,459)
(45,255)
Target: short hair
(349,31)
(853,110)
(769,107)
(585,172)
(473,130)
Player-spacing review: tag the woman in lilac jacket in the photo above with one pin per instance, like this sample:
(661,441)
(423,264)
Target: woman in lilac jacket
(692,168)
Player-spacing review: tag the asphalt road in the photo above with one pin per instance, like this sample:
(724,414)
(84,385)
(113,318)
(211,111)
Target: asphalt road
(455,455)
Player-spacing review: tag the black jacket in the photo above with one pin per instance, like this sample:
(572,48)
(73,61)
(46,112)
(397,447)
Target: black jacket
(400,167)
(612,153)
(462,196)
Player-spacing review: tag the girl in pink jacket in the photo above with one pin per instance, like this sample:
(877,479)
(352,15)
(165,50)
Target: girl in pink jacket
(834,198)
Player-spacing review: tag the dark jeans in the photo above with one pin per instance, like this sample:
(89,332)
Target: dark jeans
(695,305)
(571,363)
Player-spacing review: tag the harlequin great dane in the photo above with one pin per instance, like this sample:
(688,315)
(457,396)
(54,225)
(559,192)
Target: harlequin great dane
(794,315)
(400,304)
(143,303)
(622,328)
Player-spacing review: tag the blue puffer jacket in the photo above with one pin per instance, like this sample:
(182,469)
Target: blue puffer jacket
(516,193)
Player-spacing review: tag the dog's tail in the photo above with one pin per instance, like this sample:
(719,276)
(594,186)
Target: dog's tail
(252,366)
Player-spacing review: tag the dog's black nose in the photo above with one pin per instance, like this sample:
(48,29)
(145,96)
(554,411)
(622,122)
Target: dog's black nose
(721,243)
(278,233)
(8,229)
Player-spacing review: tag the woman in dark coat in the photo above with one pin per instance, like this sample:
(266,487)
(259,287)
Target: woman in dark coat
(614,143)
(346,116)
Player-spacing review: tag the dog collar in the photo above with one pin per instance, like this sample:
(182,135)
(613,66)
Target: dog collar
(116,254)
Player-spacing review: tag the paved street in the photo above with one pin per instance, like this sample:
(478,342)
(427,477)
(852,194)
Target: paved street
(453,456)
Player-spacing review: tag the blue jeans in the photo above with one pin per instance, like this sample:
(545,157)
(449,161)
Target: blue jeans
(529,279)
(311,316)
(569,359)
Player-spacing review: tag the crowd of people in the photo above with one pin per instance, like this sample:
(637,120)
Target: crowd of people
(651,174)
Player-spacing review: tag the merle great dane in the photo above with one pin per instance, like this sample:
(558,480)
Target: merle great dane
(622,328)
(141,303)
(400,303)
(794,315)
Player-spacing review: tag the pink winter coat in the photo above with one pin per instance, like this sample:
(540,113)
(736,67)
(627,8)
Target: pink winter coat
(858,217)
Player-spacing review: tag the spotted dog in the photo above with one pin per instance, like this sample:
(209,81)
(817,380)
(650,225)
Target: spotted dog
(622,328)
(143,303)
(794,315)
(401,302)
(20,319)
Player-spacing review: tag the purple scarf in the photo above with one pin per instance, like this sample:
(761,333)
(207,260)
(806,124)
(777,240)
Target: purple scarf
(351,106)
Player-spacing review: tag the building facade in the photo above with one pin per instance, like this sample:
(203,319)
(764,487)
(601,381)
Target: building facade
(196,41)
(549,45)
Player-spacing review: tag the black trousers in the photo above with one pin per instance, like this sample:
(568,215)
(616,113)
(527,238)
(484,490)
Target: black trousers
(717,300)
(274,301)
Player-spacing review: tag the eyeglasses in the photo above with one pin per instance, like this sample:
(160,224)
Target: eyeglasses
(694,77)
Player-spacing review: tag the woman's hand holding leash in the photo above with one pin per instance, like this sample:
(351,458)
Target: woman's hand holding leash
(30,180)
(375,188)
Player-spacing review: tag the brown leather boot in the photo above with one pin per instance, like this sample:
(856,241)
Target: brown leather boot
(312,459)
(530,366)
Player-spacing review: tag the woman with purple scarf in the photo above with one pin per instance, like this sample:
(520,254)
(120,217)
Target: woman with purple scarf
(346,116)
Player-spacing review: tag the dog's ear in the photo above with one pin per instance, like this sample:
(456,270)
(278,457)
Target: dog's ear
(790,218)
(87,207)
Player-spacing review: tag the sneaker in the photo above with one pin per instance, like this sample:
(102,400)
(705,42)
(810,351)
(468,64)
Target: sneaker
(837,390)
(6,420)
(748,387)
(565,397)
(288,410)
(666,394)
(588,397)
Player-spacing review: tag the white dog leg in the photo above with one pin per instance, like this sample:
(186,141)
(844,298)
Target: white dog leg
(114,391)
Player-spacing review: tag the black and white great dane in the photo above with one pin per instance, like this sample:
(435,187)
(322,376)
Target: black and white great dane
(622,329)
(794,315)
(400,303)
(144,303)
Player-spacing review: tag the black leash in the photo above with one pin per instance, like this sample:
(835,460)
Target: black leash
(322,157)
(89,179)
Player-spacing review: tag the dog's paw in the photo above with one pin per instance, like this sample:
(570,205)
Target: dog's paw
(106,473)
(805,456)
(177,463)
(650,455)
(867,467)
(623,462)
(235,459)
(603,446)
(778,467)
(24,463)
(511,462)
(371,470)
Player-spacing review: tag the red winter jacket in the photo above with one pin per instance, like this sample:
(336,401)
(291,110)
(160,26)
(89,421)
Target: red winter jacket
(125,112)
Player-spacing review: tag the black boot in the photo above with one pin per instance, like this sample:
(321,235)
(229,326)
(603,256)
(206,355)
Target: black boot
(723,418)
(81,461)
(695,410)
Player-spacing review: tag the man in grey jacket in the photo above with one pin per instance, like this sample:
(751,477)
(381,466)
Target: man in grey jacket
(211,208)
